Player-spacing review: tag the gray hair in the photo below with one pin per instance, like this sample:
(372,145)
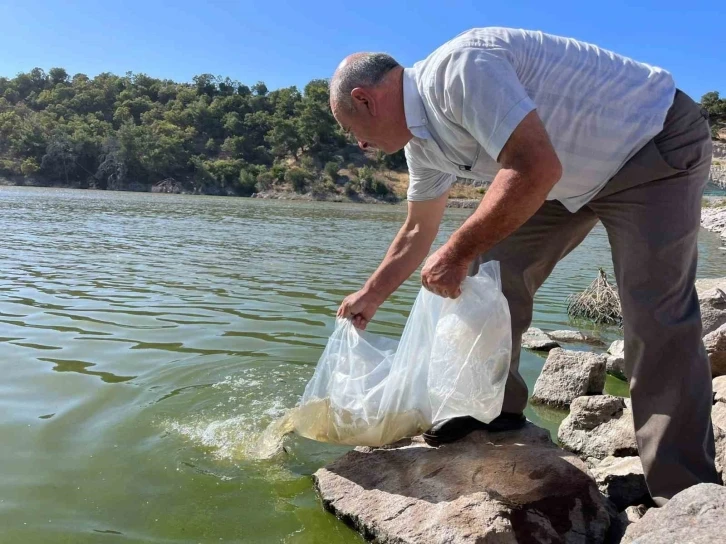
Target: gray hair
(363,70)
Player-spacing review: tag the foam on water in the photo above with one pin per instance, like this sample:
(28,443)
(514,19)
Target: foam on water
(247,422)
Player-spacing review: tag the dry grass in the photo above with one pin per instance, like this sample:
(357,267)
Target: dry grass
(599,302)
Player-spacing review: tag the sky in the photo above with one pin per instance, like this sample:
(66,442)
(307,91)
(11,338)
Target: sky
(291,42)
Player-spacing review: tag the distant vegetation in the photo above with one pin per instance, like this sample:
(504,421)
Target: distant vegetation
(211,136)
(716,108)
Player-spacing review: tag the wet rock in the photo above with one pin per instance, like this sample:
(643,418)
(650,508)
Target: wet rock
(713,309)
(615,365)
(567,375)
(503,487)
(537,340)
(696,515)
(621,479)
(599,426)
(715,343)
(574,336)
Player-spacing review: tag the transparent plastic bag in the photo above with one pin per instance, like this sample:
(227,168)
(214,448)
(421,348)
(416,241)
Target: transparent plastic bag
(452,360)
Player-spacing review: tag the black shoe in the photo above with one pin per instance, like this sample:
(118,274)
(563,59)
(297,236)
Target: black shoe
(451,430)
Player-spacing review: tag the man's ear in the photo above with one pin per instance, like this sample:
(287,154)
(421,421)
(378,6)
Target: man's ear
(362,98)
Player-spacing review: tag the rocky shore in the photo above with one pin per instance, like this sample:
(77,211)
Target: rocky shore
(519,486)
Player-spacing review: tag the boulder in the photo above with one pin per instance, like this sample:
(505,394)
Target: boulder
(719,435)
(713,309)
(719,389)
(537,340)
(567,375)
(715,343)
(635,513)
(599,426)
(615,364)
(696,515)
(621,479)
(505,487)
(574,336)
(617,348)
(718,415)
(709,284)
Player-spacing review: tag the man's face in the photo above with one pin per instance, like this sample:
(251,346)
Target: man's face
(369,131)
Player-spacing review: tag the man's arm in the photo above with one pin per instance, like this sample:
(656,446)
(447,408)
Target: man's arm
(405,254)
(530,168)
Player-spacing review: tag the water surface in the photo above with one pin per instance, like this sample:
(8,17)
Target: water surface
(146,339)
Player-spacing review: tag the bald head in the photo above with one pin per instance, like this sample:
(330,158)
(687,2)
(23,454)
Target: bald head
(364,70)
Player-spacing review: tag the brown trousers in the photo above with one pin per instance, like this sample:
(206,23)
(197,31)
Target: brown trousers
(651,211)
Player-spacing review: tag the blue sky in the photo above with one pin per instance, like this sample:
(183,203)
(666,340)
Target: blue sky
(290,42)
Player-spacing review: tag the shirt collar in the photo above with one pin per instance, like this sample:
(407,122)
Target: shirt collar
(413,106)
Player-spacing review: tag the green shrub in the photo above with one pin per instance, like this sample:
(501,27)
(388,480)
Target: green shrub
(298,178)
(331,170)
(265,180)
(29,167)
(278,171)
(247,183)
(307,163)
(350,188)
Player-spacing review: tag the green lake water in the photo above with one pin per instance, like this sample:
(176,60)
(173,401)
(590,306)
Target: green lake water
(145,339)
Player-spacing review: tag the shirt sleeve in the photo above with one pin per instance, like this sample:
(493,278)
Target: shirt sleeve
(425,183)
(478,89)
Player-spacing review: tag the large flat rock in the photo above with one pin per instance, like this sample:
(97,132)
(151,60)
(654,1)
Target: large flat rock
(567,375)
(537,340)
(504,487)
(694,516)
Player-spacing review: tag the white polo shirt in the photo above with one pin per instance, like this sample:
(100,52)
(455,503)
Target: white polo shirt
(463,102)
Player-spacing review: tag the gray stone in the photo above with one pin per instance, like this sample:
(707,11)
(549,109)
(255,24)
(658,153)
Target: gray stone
(718,415)
(567,375)
(715,343)
(635,513)
(709,284)
(599,427)
(507,487)
(719,389)
(621,480)
(615,366)
(617,348)
(713,309)
(574,336)
(537,340)
(719,435)
(696,515)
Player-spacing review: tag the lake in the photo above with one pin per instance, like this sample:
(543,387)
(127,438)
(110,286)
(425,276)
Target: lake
(147,338)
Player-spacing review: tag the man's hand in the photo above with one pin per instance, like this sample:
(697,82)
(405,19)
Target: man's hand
(443,273)
(360,307)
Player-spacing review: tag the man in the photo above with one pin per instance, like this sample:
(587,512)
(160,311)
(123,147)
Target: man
(569,134)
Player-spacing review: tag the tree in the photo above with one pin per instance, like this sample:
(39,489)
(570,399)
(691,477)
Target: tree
(716,108)
(213,134)
(283,138)
(298,178)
